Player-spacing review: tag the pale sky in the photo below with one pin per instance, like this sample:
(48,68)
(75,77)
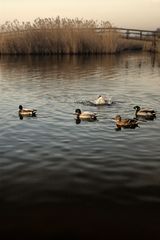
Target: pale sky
(141,14)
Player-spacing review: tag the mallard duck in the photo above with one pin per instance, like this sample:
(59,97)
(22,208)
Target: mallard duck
(145,113)
(101,100)
(27,112)
(125,123)
(90,116)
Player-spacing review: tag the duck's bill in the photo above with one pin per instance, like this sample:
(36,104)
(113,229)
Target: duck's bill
(114,119)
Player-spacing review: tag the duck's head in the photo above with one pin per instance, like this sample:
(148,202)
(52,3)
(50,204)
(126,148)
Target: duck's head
(117,118)
(78,111)
(20,107)
(137,108)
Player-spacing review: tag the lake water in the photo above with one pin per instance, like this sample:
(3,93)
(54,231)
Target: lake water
(49,160)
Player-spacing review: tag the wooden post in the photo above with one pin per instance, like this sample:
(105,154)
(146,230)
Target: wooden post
(154,42)
(127,33)
(140,35)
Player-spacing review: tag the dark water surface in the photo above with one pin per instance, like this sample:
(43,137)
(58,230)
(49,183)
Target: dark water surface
(51,166)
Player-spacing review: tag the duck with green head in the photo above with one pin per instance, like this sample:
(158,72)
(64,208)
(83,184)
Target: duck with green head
(146,113)
(26,112)
(86,115)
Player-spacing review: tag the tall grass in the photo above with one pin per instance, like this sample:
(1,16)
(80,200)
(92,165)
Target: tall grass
(62,36)
(57,36)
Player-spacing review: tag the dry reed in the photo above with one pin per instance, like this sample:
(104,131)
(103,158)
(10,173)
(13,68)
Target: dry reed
(57,36)
(60,36)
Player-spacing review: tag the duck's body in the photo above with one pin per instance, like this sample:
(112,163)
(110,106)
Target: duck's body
(145,113)
(26,112)
(86,115)
(125,123)
(101,100)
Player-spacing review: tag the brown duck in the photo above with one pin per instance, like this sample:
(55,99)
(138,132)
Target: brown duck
(125,123)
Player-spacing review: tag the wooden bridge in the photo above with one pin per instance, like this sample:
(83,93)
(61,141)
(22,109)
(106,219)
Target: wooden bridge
(135,34)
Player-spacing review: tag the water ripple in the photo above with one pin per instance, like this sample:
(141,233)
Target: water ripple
(51,154)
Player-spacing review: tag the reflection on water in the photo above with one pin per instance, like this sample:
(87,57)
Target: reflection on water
(53,159)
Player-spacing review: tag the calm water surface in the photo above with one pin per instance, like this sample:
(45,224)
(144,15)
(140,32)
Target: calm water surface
(50,158)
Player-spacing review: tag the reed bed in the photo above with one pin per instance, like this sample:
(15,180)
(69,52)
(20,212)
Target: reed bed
(57,36)
(62,36)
